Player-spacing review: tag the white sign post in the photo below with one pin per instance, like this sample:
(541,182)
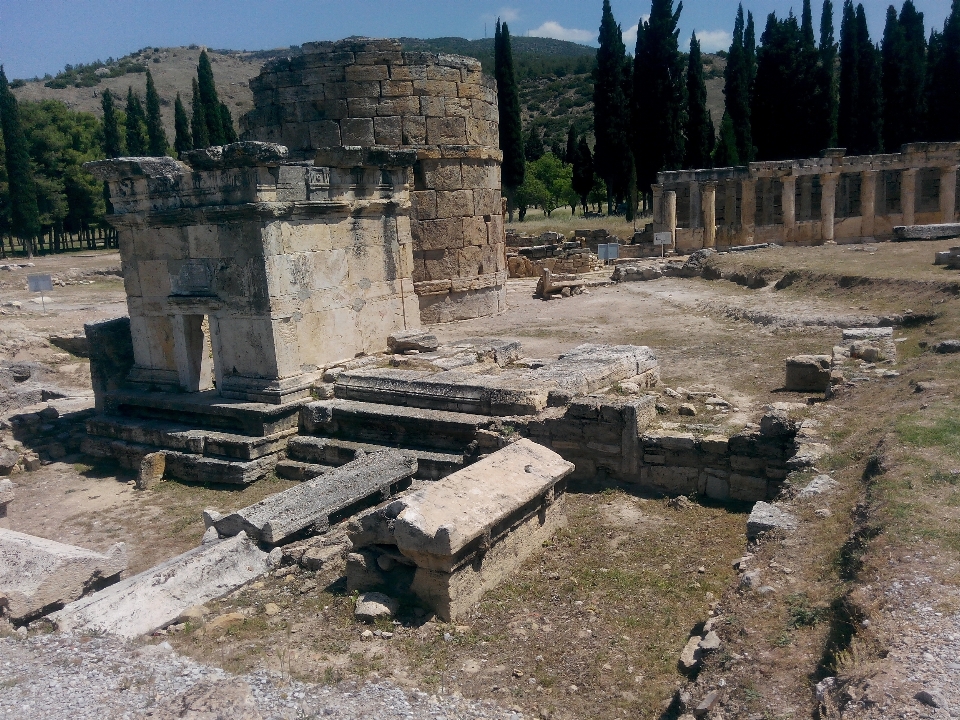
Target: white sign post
(663,239)
(40,284)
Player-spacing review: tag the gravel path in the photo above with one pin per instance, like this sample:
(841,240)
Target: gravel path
(67,677)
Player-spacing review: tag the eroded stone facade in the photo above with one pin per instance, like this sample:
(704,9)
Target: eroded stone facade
(839,198)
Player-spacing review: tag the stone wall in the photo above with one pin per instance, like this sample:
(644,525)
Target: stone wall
(364,92)
(565,261)
(834,198)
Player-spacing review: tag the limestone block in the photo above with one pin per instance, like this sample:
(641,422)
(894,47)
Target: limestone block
(475,231)
(412,340)
(425,204)
(435,88)
(766,517)
(357,131)
(312,503)
(366,72)
(717,488)
(457,107)
(388,130)
(447,131)
(158,596)
(396,88)
(151,471)
(441,234)
(746,487)
(408,72)
(111,355)
(442,174)
(675,480)
(807,373)
(457,203)
(37,574)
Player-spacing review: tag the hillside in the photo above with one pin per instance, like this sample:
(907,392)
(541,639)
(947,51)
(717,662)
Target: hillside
(556,86)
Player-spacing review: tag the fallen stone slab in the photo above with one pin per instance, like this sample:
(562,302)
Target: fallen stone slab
(820,485)
(407,340)
(807,456)
(316,502)
(908,233)
(947,346)
(158,596)
(456,538)
(766,517)
(38,575)
(807,373)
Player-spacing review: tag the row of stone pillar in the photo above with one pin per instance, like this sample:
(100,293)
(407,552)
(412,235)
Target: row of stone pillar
(828,199)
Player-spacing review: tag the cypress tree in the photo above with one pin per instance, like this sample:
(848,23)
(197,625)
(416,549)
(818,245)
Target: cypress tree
(813,123)
(211,103)
(870,116)
(914,75)
(183,141)
(943,79)
(136,125)
(725,154)
(112,143)
(533,148)
(892,63)
(156,135)
(226,121)
(660,93)
(827,90)
(750,54)
(24,212)
(848,111)
(700,136)
(611,109)
(806,26)
(511,129)
(198,124)
(738,85)
(583,171)
(571,150)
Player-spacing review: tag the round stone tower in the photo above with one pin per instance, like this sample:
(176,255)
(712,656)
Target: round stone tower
(370,93)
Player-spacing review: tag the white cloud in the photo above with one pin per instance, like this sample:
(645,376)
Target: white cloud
(555,30)
(712,40)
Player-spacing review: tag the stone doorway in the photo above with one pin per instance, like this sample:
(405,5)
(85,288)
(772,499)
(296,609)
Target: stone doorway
(195,351)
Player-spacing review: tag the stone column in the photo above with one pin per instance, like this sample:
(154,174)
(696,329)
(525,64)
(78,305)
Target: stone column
(868,202)
(748,210)
(828,204)
(948,194)
(670,213)
(657,204)
(908,194)
(694,205)
(708,203)
(788,203)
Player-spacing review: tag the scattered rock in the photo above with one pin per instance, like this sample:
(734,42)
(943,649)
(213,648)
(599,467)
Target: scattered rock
(271,609)
(687,410)
(680,502)
(947,346)
(691,655)
(210,700)
(750,579)
(931,698)
(412,340)
(8,461)
(777,424)
(151,471)
(373,605)
(707,704)
(807,373)
(193,614)
(221,622)
(711,641)
(820,485)
(73,344)
(766,517)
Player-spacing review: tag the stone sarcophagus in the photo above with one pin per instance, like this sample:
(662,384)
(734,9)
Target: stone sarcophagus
(248,273)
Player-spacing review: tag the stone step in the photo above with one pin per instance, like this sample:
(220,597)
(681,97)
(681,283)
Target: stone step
(180,465)
(157,597)
(319,451)
(205,410)
(392,425)
(175,436)
(316,504)
(300,471)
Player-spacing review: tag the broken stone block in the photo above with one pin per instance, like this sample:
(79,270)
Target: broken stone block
(766,517)
(947,346)
(406,340)
(820,485)
(37,574)
(866,350)
(706,705)
(687,410)
(110,345)
(777,424)
(807,373)
(692,654)
(711,641)
(151,471)
(373,605)
(158,596)
(6,496)
(314,502)
(452,540)
(74,344)
(8,461)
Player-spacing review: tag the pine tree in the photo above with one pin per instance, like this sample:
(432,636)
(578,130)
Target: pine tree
(112,143)
(24,212)
(198,124)
(870,117)
(533,148)
(700,135)
(611,109)
(226,121)
(943,79)
(660,94)
(725,154)
(183,141)
(156,135)
(583,175)
(136,126)
(827,90)
(571,150)
(738,85)
(513,169)
(210,101)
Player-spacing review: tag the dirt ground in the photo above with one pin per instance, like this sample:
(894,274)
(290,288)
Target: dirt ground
(594,625)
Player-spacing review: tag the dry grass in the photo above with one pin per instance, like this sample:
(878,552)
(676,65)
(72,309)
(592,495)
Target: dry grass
(563,222)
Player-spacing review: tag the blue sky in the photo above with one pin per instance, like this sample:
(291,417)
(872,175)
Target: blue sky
(41,36)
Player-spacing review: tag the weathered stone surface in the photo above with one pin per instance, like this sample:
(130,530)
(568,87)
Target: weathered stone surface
(777,424)
(111,355)
(6,496)
(157,597)
(209,700)
(820,485)
(314,502)
(412,340)
(807,373)
(74,344)
(8,461)
(151,471)
(947,346)
(373,605)
(905,233)
(236,155)
(449,540)
(691,655)
(37,574)
(766,517)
